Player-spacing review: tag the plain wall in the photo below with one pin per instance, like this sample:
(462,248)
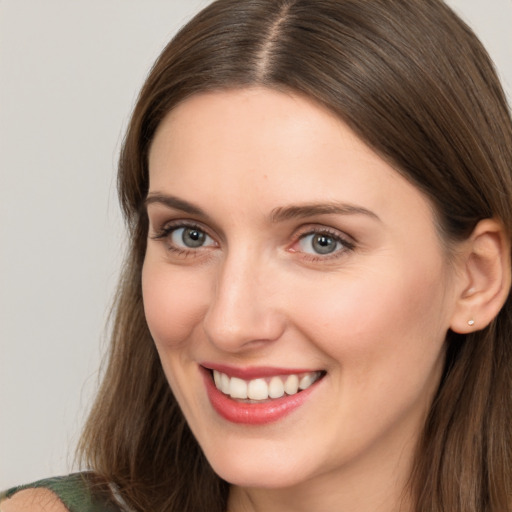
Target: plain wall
(69,75)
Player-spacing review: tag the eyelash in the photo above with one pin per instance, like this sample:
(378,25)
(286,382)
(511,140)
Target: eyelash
(165,232)
(346,245)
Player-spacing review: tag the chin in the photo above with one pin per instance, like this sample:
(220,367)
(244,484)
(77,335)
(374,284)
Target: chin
(269,470)
(259,477)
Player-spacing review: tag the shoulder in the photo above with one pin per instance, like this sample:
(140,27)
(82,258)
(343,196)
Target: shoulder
(33,500)
(79,492)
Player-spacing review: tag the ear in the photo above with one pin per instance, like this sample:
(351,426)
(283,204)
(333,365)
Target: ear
(485,277)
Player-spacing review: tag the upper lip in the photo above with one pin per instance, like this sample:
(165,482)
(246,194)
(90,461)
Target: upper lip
(254,372)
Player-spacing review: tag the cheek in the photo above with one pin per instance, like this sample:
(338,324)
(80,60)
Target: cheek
(173,303)
(382,324)
(386,358)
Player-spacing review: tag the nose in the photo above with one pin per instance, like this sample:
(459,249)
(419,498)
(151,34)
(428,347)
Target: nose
(244,311)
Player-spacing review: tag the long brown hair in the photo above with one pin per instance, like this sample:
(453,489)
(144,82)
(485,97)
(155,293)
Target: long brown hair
(413,81)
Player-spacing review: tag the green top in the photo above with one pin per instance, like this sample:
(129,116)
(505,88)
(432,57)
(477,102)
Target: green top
(80,492)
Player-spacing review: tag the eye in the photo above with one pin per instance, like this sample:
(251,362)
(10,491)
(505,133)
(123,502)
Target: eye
(189,237)
(322,244)
(319,243)
(184,239)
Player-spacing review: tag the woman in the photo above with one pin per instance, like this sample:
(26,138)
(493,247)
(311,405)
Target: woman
(314,314)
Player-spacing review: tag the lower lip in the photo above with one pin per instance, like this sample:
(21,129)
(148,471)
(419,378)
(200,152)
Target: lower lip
(253,413)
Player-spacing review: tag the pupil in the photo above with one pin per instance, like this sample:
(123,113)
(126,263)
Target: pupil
(193,237)
(324,244)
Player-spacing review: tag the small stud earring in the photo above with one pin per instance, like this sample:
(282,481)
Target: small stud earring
(471,323)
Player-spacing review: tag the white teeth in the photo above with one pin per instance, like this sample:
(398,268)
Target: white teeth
(275,388)
(306,381)
(291,386)
(257,389)
(217,379)
(263,389)
(224,383)
(238,388)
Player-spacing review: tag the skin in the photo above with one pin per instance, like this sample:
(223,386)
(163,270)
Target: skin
(33,500)
(373,314)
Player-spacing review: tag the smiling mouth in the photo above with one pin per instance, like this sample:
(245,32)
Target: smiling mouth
(261,390)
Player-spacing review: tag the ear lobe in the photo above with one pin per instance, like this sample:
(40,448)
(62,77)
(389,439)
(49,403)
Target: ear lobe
(486,271)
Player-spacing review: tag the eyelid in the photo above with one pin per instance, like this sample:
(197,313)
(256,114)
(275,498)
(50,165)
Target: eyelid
(166,228)
(160,215)
(308,229)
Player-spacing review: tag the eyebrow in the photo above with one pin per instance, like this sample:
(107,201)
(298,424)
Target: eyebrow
(307,210)
(279,214)
(175,203)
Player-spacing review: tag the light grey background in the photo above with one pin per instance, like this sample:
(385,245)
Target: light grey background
(69,75)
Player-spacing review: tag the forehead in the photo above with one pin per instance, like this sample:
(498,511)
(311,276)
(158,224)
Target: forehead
(267,148)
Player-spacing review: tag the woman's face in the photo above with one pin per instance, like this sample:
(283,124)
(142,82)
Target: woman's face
(283,252)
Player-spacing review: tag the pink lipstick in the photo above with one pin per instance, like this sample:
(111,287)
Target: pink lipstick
(244,409)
